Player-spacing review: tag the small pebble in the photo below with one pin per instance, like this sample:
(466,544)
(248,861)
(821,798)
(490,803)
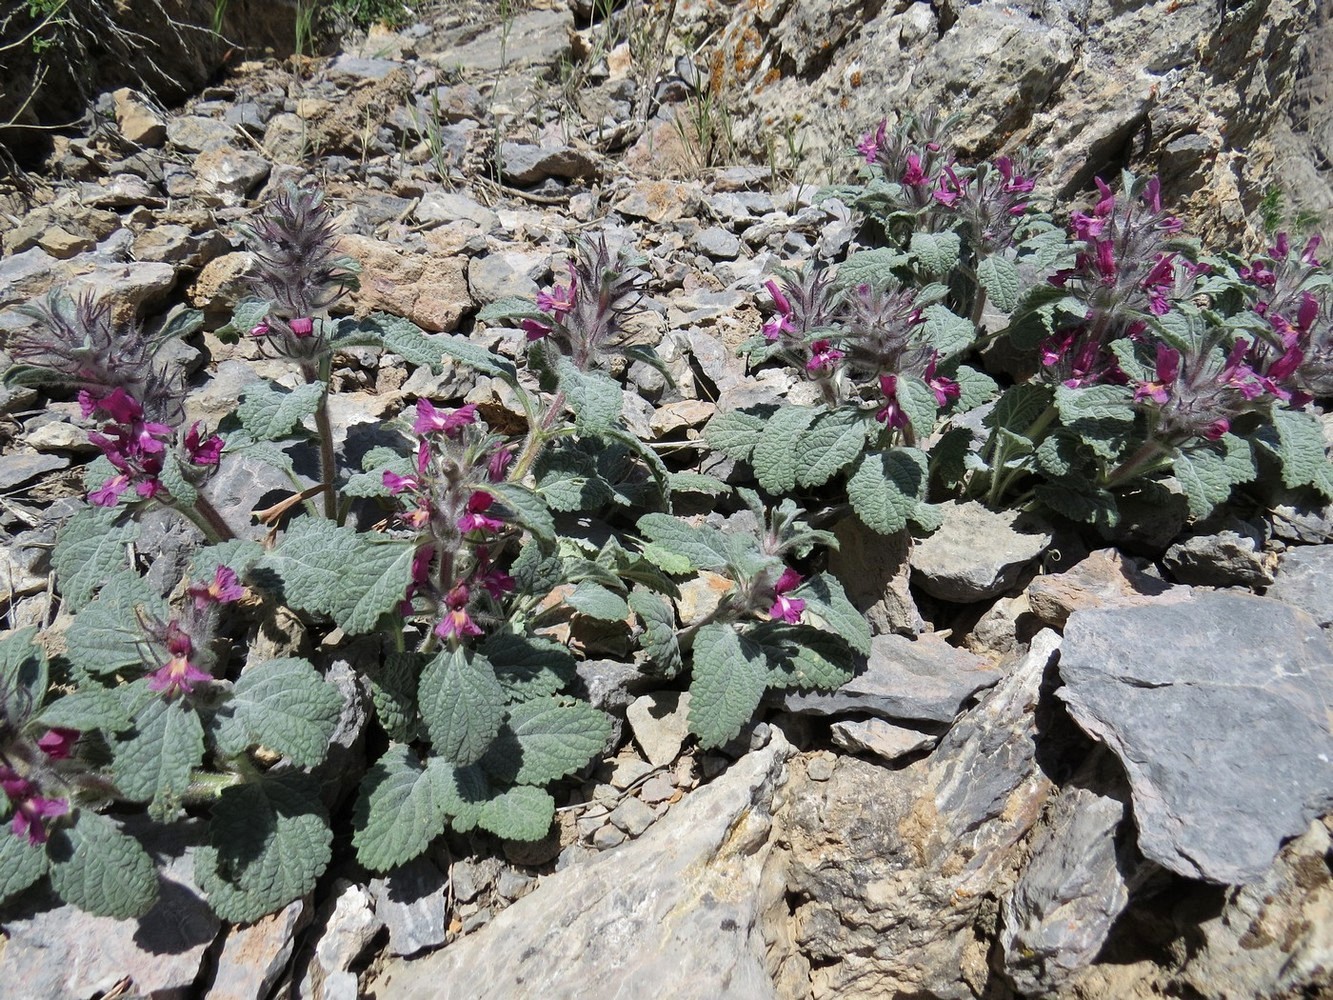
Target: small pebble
(608,837)
(633,816)
(513,884)
(657,789)
(628,770)
(820,766)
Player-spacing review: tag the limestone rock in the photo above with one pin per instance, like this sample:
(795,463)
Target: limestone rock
(660,725)
(1216,707)
(429,290)
(889,870)
(977,553)
(1233,555)
(1072,889)
(925,680)
(874,572)
(883,739)
(411,902)
(137,121)
(255,955)
(680,906)
(1304,580)
(1104,579)
(226,176)
(56,951)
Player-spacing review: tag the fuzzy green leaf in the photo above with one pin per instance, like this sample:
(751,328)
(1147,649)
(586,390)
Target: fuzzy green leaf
(400,808)
(528,666)
(87,708)
(105,636)
(567,480)
(974,388)
(735,433)
(659,632)
(511,307)
(595,601)
(678,543)
(729,676)
(1019,407)
(526,508)
(465,352)
(1101,415)
(21,864)
(465,793)
(698,482)
(462,704)
(247,315)
(281,705)
(545,739)
(409,341)
(1207,470)
(352,576)
(595,399)
(948,333)
(24,673)
(999,276)
(827,607)
(173,478)
(1301,449)
(919,403)
(154,763)
(802,657)
(886,486)
(101,870)
(834,441)
(522,813)
(870,267)
(267,413)
(90,548)
(393,692)
(1081,501)
(779,449)
(936,253)
(269,843)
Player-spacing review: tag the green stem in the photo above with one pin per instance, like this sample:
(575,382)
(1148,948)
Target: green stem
(978,306)
(538,433)
(1150,456)
(324,427)
(205,787)
(204,516)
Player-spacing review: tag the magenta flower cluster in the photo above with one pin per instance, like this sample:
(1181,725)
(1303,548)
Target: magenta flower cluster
(454,517)
(136,446)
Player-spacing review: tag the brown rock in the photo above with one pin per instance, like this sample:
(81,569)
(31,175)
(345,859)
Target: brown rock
(1104,579)
(221,284)
(62,244)
(138,123)
(430,291)
(659,201)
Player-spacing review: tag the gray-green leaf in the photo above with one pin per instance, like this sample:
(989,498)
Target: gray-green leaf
(282,705)
(101,870)
(999,277)
(90,547)
(352,576)
(834,441)
(521,813)
(21,864)
(400,808)
(729,678)
(886,486)
(595,601)
(167,743)
(545,739)
(462,704)
(267,413)
(779,449)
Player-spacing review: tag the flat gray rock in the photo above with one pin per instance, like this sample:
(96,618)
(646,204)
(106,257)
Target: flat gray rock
(924,680)
(1304,580)
(56,951)
(410,900)
(977,553)
(1218,709)
(675,913)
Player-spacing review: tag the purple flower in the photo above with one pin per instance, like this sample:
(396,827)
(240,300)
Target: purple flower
(179,673)
(261,329)
(224,588)
(302,327)
(823,356)
(871,142)
(108,494)
(206,452)
(892,415)
(30,809)
(396,484)
(430,420)
(1168,370)
(559,301)
(912,173)
(476,519)
(498,464)
(58,743)
(944,389)
(491,579)
(456,621)
(534,329)
(787,609)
